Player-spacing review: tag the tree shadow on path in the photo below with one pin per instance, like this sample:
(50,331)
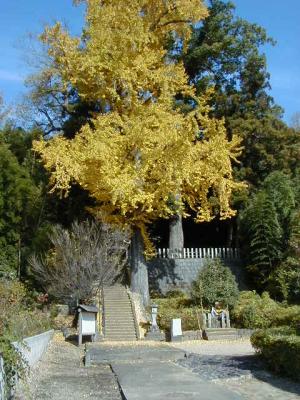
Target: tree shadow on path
(218,368)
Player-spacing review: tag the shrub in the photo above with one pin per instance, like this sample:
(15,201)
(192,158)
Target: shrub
(289,316)
(176,307)
(284,282)
(12,300)
(215,282)
(82,259)
(28,323)
(14,364)
(280,348)
(255,311)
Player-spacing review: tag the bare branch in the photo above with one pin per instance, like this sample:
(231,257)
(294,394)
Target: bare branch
(83,259)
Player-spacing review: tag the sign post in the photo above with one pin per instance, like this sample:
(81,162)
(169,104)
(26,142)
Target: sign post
(87,322)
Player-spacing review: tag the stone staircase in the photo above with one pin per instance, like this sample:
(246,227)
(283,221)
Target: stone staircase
(221,334)
(119,324)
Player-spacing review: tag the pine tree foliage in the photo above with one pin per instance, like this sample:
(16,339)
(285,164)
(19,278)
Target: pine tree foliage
(19,197)
(264,234)
(279,188)
(141,150)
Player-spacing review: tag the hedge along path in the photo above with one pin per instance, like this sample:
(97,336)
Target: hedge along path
(61,375)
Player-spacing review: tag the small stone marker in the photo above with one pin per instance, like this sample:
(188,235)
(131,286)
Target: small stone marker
(176,331)
(87,322)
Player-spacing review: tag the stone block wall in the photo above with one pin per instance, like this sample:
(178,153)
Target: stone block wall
(168,274)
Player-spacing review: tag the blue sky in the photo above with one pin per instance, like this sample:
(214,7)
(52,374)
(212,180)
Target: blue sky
(281,19)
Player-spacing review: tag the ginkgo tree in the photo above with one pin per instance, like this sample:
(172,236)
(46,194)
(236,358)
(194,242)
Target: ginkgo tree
(141,156)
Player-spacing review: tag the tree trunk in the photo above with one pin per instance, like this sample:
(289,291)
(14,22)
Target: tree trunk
(139,270)
(237,234)
(176,239)
(229,235)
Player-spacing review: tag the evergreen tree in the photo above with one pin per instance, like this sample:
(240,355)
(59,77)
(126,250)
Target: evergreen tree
(19,197)
(263,238)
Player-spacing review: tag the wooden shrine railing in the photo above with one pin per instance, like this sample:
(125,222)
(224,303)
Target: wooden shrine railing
(207,252)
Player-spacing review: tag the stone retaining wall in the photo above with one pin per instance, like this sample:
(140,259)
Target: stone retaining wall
(34,347)
(168,274)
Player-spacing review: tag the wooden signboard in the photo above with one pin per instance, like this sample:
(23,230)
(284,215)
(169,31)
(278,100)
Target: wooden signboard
(87,322)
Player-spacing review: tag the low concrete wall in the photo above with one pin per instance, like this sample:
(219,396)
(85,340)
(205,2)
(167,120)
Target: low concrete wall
(2,381)
(168,274)
(34,347)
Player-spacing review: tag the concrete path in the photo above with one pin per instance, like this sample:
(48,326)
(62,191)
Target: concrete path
(61,375)
(158,380)
(148,372)
(116,352)
(152,371)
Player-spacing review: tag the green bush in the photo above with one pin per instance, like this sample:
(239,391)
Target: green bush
(176,307)
(19,316)
(215,283)
(255,311)
(14,364)
(280,348)
(28,323)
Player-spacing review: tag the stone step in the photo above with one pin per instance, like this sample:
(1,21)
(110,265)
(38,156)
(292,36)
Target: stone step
(117,298)
(119,311)
(122,324)
(116,329)
(119,328)
(119,334)
(129,332)
(117,307)
(121,319)
(112,314)
(224,337)
(220,334)
(121,339)
(118,314)
(110,311)
(221,330)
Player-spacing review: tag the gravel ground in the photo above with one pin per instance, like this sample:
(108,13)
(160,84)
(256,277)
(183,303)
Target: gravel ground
(60,375)
(234,365)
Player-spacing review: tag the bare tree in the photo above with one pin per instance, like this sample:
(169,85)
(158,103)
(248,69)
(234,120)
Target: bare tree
(295,121)
(82,259)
